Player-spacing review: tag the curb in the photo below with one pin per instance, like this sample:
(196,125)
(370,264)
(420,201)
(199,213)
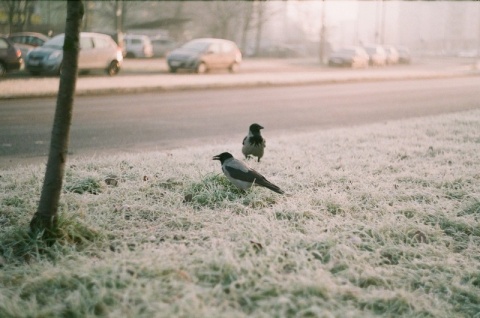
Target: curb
(130,84)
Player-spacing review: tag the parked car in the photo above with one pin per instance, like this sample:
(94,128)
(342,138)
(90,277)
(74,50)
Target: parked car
(10,56)
(349,56)
(377,54)
(392,54)
(204,54)
(161,46)
(27,41)
(138,45)
(404,56)
(97,52)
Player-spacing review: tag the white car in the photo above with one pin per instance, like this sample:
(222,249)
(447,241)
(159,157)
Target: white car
(393,56)
(138,45)
(97,52)
(378,56)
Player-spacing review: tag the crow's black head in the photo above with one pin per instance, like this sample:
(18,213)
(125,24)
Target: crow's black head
(223,156)
(255,128)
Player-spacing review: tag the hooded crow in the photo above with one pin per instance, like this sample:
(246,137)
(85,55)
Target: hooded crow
(253,143)
(242,175)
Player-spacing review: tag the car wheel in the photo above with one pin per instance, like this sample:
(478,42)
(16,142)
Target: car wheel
(234,67)
(3,69)
(34,73)
(201,68)
(113,68)
(172,70)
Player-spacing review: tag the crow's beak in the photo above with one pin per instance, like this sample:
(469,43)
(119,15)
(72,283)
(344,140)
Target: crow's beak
(217,157)
(260,127)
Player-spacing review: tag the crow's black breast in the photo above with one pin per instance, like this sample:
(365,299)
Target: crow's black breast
(256,141)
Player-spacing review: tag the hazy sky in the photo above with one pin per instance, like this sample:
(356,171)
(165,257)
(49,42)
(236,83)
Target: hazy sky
(308,14)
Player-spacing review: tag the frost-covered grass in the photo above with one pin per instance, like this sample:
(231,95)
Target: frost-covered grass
(380,220)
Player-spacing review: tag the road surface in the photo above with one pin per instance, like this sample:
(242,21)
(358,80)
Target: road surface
(160,121)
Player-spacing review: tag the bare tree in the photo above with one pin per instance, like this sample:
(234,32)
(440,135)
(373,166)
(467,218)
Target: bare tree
(226,15)
(177,15)
(259,27)
(247,23)
(45,219)
(321,49)
(19,13)
(112,14)
(87,15)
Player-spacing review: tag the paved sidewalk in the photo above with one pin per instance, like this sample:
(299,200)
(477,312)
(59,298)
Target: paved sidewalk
(151,75)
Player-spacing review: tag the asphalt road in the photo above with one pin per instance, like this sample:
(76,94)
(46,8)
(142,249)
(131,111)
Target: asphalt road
(160,121)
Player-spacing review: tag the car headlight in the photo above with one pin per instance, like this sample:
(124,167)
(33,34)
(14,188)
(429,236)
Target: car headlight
(55,55)
(119,55)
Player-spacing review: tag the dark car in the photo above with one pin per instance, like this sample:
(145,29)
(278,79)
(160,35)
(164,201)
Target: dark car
(201,55)
(27,41)
(10,56)
(97,52)
(349,56)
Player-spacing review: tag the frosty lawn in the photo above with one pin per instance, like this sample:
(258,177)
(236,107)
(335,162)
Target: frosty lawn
(377,220)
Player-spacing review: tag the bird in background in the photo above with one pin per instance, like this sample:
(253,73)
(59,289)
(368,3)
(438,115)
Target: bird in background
(241,175)
(253,143)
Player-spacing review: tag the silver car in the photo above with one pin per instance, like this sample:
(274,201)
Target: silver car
(97,52)
(27,41)
(137,46)
(201,55)
(378,56)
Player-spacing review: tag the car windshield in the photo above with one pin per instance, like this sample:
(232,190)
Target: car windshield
(196,46)
(56,42)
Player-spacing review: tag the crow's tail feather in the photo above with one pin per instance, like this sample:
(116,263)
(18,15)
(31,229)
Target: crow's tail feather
(267,184)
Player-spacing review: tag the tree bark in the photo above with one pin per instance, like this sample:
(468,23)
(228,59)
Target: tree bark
(258,38)
(321,48)
(247,19)
(45,218)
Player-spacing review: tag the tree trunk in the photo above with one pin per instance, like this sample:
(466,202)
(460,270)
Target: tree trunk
(260,21)
(119,23)
(247,19)
(178,32)
(45,219)
(321,48)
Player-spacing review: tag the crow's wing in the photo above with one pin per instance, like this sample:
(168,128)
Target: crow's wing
(248,175)
(241,172)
